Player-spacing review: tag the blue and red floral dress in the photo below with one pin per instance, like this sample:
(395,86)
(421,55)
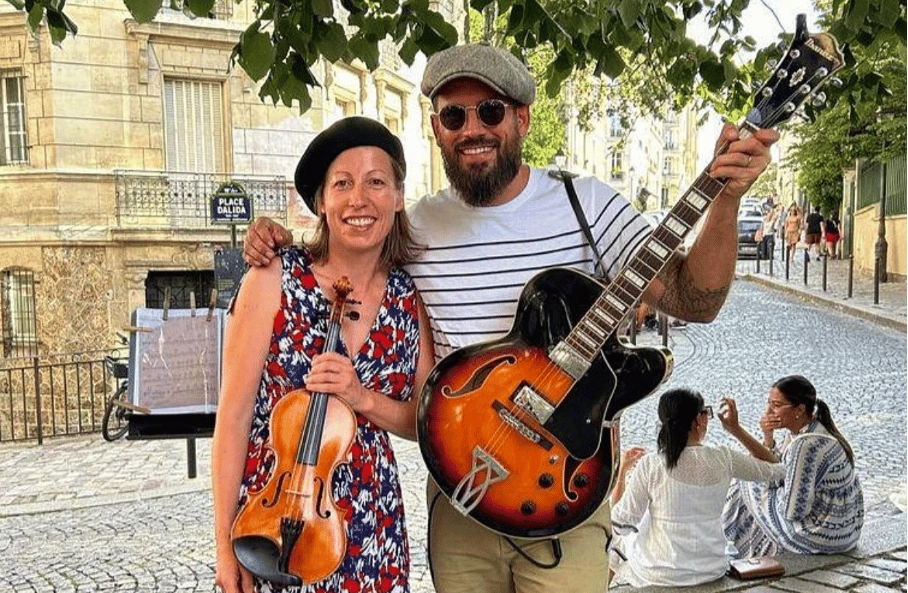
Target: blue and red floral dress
(367,488)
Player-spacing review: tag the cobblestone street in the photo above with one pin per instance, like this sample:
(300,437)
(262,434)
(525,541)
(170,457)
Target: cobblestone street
(79,514)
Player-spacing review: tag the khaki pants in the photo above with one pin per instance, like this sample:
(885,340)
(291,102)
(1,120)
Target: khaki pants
(469,558)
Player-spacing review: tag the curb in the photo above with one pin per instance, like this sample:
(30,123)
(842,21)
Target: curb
(857,311)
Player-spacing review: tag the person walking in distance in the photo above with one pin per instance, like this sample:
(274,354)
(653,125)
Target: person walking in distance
(500,223)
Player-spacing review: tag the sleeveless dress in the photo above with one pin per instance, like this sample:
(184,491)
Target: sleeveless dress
(367,488)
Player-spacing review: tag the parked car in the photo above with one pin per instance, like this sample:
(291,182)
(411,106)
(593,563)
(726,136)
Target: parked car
(748,226)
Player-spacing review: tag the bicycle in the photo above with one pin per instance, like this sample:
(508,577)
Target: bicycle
(115,423)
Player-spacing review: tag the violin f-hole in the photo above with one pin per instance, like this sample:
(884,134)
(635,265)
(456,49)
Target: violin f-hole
(277,491)
(322,512)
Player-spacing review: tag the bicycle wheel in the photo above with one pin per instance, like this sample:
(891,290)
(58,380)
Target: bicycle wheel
(114,424)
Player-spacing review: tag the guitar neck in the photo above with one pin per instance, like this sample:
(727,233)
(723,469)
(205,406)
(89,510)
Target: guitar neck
(625,290)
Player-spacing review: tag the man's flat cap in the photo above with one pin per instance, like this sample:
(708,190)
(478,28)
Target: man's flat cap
(347,133)
(496,67)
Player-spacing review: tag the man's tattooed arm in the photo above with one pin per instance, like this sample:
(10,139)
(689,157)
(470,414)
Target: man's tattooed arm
(683,299)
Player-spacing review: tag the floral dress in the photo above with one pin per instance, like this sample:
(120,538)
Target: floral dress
(367,487)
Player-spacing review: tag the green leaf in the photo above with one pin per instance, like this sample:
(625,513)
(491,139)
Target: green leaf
(256,53)
(331,40)
(364,50)
(35,15)
(143,10)
(713,74)
(200,7)
(610,63)
(856,14)
(629,11)
(322,8)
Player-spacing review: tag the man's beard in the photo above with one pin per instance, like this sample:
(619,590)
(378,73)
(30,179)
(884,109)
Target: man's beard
(478,187)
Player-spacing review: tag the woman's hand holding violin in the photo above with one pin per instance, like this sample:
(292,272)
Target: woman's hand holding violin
(230,576)
(334,374)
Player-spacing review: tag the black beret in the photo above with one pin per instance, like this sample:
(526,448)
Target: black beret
(347,133)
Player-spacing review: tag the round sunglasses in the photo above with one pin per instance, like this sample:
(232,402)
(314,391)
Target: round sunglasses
(490,112)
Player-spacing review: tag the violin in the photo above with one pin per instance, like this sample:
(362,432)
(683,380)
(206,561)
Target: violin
(291,532)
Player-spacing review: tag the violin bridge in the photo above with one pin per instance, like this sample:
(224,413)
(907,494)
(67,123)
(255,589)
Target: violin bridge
(471,489)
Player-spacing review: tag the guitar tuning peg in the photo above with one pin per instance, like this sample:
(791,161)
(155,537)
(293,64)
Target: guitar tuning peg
(819,99)
(771,64)
(822,71)
(805,89)
(795,54)
(766,92)
(836,82)
(790,107)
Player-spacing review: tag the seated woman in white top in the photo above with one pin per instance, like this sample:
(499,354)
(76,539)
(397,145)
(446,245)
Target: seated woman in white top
(668,517)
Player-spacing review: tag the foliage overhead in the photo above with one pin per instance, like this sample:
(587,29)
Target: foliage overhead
(609,38)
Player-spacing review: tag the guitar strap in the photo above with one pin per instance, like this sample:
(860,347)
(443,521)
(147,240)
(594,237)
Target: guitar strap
(565,177)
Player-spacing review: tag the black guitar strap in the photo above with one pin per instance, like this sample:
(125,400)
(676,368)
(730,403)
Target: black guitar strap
(581,217)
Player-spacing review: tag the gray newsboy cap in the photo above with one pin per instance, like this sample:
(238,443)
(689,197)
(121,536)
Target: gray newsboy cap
(493,66)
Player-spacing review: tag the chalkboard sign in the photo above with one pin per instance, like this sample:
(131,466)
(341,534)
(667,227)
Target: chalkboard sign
(229,268)
(175,363)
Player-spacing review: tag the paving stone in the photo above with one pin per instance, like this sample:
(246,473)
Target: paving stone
(800,585)
(879,575)
(874,588)
(831,578)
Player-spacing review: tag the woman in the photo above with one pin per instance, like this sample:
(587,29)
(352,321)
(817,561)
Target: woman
(832,235)
(669,516)
(351,176)
(819,507)
(794,223)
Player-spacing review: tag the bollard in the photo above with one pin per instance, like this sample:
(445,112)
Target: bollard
(190,457)
(771,258)
(758,261)
(850,275)
(825,259)
(38,403)
(787,261)
(876,281)
(806,265)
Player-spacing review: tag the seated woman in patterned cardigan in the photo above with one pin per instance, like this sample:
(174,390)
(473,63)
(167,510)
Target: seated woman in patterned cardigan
(818,508)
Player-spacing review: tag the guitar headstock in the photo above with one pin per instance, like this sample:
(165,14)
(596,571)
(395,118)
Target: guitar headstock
(809,62)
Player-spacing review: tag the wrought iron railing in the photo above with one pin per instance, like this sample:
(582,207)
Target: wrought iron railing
(58,395)
(181,200)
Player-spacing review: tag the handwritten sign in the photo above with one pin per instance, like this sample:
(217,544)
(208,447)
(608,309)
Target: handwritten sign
(175,366)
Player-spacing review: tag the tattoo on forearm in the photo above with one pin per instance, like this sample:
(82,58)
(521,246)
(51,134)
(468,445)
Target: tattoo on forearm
(683,299)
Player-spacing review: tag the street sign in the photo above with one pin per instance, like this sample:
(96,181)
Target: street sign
(231,205)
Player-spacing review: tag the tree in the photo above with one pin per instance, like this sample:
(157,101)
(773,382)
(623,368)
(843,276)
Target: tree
(609,38)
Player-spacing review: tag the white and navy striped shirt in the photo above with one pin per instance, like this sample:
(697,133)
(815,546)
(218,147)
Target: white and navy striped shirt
(478,259)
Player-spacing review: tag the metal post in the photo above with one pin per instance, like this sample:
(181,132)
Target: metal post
(806,264)
(825,259)
(663,327)
(850,275)
(787,261)
(37,402)
(882,247)
(772,256)
(233,236)
(876,281)
(758,260)
(190,457)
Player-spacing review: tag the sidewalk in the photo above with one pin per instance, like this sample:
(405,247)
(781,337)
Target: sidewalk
(890,309)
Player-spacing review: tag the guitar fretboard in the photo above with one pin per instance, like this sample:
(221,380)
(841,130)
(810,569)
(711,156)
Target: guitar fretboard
(622,294)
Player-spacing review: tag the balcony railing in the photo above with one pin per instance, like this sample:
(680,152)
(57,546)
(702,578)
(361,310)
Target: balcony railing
(183,200)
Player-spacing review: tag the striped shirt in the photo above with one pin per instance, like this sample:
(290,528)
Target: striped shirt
(479,258)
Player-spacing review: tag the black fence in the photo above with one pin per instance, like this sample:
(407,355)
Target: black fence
(59,395)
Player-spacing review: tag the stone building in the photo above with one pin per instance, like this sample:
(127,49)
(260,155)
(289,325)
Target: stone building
(112,144)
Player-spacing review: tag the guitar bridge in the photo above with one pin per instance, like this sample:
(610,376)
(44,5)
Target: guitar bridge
(470,490)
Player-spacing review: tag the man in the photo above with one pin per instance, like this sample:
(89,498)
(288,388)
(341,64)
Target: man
(499,224)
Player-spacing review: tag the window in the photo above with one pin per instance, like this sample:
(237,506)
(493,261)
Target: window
(194,126)
(617,166)
(20,327)
(13,140)
(615,128)
(179,284)
(393,111)
(669,140)
(667,166)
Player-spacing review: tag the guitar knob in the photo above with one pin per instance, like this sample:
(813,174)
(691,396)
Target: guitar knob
(581,480)
(546,480)
(562,509)
(528,507)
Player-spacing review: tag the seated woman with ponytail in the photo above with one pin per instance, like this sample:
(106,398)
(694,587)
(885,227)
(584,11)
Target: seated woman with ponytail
(668,518)
(818,508)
